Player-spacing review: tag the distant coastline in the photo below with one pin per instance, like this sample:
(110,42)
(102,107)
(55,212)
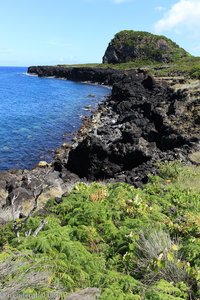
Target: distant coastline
(104,76)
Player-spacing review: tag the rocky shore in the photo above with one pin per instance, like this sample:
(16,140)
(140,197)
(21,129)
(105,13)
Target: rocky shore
(95,75)
(145,121)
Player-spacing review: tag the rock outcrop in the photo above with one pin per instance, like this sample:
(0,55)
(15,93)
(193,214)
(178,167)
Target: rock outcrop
(19,190)
(129,45)
(143,123)
(104,76)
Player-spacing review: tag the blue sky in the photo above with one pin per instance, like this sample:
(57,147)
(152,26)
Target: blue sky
(35,32)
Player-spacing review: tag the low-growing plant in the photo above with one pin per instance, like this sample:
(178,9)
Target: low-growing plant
(131,243)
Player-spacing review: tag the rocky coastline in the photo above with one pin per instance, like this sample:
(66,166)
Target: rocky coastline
(105,76)
(146,120)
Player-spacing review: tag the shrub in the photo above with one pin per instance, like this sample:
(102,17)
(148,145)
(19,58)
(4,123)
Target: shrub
(164,290)
(157,258)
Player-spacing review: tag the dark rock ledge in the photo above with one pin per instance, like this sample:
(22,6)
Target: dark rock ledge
(143,122)
(96,75)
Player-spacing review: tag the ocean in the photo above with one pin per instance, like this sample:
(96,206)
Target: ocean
(37,115)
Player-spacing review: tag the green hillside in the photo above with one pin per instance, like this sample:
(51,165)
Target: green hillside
(130,45)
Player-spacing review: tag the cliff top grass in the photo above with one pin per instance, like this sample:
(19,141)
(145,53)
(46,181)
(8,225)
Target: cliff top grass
(187,66)
(133,244)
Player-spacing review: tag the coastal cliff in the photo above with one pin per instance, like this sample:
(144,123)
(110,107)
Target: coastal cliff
(144,121)
(96,75)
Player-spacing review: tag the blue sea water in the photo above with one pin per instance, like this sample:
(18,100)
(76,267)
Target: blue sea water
(37,114)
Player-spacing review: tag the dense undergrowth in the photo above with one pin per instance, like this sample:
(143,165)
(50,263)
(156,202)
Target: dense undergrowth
(132,243)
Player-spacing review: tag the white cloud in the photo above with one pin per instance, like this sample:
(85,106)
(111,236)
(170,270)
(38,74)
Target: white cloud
(183,14)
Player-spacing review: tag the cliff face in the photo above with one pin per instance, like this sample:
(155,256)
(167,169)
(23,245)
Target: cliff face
(97,75)
(143,123)
(132,45)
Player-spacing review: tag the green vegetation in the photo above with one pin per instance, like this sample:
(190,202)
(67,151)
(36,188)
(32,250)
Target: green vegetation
(159,55)
(130,45)
(131,243)
(187,66)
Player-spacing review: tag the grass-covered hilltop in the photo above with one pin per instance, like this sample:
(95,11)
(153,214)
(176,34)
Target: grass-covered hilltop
(115,215)
(129,45)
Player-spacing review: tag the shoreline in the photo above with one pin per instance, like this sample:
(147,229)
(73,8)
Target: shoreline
(82,117)
(22,183)
(116,143)
(82,82)
(64,135)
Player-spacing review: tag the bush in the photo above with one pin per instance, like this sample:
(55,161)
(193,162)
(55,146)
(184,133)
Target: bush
(164,290)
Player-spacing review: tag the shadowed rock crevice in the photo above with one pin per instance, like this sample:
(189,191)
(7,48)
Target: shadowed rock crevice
(147,128)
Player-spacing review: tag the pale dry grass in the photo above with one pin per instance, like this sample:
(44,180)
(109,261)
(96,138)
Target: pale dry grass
(153,250)
(17,274)
(189,178)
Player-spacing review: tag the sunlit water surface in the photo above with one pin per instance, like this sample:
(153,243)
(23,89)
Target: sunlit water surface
(38,114)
